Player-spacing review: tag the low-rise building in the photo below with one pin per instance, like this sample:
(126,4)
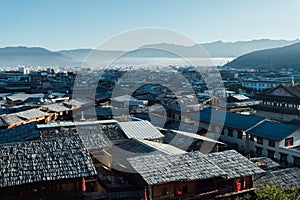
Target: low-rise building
(56,168)
(253,135)
(281,103)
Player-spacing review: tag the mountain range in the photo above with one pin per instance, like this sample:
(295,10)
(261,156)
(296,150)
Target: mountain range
(33,56)
(288,56)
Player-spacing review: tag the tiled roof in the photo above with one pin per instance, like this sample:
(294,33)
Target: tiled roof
(159,169)
(294,90)
(55,108)
(273,130)
(72,124)
(265,163)
(125,97)
(144,146)
(283,177)
(234,164)
(135,146)
(164,148)
(140,130)
(24,96)
(92,137)
(44,160)
(30,114)
(182,134)
(3,123)
(12,119)
(19,133)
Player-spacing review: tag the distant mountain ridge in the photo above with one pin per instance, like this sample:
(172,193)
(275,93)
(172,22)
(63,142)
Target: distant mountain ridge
(227,49)
(37,56)
(288,56)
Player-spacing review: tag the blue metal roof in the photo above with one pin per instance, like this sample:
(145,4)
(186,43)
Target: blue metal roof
(273,130)
(228,119)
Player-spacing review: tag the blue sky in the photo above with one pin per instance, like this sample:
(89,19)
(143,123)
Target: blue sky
(67,24)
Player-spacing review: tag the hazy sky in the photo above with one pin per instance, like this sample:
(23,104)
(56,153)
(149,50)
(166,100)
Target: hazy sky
(66,24)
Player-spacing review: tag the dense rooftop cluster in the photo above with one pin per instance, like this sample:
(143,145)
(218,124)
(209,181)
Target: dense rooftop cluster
(44,160)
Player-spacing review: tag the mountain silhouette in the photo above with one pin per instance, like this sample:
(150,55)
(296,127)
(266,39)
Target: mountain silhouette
(288,56)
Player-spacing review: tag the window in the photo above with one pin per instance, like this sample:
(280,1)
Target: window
(230,132)
(240,135)
(260,140)
(283,157)
(185,190)
(258,151)
(271,154)
(272,143)
(251,138)
(296,161)
(289,142)
(164,191)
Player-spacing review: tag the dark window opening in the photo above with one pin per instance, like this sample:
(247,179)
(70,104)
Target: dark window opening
(185,190)
(272,143)
(260,140)
(258,151)
(230,132)
(289,142)
(271,154)
(240,135)
(283,157)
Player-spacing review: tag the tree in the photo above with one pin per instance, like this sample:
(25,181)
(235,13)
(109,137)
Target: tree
(271,192)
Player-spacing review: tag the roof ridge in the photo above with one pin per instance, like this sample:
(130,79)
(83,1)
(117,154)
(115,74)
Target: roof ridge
(257,124)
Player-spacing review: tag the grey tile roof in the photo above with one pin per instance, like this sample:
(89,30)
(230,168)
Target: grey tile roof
(44,160)
(3,123)
(283,177)
(158,169)
(55,107)
(141,146)
(12,119)
(19,133)
(92,137)
(49,133)
(183,140)
(135,146)
(140,130)
(125,97)
(234,164)
(265,162)
(24,96)
(113,132)
(30,114)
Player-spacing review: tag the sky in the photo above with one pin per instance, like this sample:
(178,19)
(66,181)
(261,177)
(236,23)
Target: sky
(70,24)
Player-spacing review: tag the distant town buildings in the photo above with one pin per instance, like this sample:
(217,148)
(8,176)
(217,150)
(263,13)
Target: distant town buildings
(68,134)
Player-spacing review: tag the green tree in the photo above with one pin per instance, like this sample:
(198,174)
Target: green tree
(271,192)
